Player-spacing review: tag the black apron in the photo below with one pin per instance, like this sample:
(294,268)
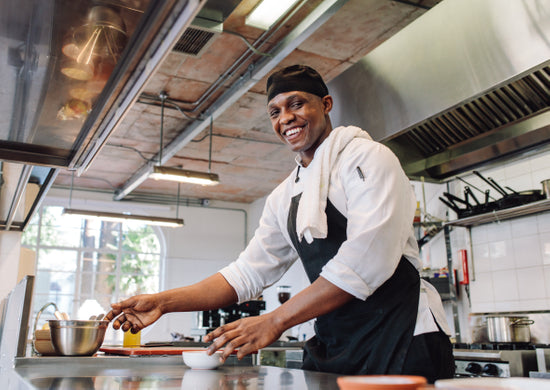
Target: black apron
(361,337)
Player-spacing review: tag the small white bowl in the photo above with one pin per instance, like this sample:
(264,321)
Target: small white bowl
(200,360)
(202,379)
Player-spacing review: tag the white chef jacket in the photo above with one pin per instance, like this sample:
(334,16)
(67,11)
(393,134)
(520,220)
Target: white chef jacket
(367,186)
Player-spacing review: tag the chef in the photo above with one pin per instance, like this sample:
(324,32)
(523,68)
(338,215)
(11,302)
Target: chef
(346,213)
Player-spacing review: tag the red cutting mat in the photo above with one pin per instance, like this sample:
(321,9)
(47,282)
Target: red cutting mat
(140,351)
(145,351)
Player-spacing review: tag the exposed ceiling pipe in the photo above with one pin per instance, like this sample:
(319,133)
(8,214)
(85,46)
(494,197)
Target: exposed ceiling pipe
(302,31)
(229,72)
(418,5)
(1,177)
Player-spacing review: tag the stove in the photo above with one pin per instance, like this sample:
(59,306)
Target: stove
(495,359)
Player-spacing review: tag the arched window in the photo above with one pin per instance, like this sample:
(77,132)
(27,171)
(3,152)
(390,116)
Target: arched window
(83,265)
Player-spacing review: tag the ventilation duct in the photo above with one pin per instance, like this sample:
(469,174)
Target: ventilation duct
(465,85)
(208,23)
(196,39)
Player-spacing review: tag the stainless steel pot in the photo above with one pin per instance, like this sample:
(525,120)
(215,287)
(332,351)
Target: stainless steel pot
(546,188)
(509,329)
(77,337)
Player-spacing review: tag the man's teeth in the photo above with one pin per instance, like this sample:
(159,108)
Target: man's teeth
(293,131)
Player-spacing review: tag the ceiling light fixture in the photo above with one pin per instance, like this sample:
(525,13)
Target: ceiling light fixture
(183,175)
(177,174)
(121,217)
(267,12)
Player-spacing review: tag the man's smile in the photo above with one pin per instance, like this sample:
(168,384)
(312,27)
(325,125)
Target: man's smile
(293,131)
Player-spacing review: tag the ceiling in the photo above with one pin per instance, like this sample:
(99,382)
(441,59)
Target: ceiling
(245,153)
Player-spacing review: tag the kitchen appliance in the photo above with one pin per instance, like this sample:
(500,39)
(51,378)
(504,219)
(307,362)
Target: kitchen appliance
(495,359)
(283,293)
(464,85)
(506,329)
(209,320)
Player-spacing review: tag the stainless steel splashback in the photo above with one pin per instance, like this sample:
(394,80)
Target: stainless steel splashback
(71,70)
(466,84)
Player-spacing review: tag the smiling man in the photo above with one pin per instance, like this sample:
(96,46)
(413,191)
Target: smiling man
(298,108)
(346,212)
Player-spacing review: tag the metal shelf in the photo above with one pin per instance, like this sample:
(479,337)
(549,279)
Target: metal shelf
(500,215)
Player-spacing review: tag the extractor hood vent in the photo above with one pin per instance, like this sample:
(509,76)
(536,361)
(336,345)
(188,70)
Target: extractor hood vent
(503,106)
(206,25)
(464,86)
(193,41)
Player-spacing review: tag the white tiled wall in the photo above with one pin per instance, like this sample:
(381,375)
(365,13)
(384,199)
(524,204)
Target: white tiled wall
(510,260)
(511,254)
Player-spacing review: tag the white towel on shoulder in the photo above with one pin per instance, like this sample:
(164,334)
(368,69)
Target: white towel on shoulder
(311,219)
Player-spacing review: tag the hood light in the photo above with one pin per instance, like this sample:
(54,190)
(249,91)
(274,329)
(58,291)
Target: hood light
(268,12)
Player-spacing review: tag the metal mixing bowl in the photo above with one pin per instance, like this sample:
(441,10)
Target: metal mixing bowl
(77,337)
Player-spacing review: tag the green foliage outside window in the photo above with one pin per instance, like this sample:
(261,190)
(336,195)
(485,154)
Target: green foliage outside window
(80,260)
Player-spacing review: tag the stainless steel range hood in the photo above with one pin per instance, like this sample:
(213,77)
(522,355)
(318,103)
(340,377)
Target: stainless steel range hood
(71,70)
(467,84)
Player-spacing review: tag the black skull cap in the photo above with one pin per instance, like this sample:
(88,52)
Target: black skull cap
(296,78)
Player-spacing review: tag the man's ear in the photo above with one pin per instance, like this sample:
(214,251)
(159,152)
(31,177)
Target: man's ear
(327,103)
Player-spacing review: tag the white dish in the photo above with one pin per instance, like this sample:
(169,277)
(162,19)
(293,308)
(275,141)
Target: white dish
(378,382)
(493,383)
(201,360)
(202,379)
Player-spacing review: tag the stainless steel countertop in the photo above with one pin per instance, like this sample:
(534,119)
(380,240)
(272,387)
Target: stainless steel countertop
(160,372)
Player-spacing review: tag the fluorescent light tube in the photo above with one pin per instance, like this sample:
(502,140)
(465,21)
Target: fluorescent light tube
(268,12)
(121,217)
(184,176)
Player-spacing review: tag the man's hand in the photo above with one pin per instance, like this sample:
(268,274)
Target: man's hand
(253,333)
(247,335)
(135,313)
(139,311)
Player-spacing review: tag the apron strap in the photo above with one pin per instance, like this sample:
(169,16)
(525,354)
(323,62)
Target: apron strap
(361,337)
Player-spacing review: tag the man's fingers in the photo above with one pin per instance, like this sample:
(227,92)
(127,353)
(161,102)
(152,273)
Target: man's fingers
(112,314)
(220,337)
(228,350)
(219,331)
(119,321)
(245,349)
(215,333)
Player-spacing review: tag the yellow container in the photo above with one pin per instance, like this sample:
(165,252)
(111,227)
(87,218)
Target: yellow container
(131,340)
